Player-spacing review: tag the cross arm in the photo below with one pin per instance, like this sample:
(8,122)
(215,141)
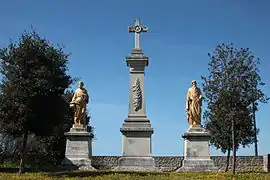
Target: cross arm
(131,29)
(144,29)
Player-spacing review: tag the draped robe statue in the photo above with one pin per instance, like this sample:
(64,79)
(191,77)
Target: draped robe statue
(78,103)
(193,105)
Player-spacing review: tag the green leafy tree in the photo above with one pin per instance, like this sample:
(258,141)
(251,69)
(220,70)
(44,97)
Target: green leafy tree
(230,89)
(34,79)
(53,147)
(256,96)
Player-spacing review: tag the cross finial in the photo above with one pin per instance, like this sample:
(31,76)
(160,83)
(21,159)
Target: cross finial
(137,29)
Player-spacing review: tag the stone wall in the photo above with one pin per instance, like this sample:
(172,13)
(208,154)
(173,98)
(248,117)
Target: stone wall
(171,163)
(243,163)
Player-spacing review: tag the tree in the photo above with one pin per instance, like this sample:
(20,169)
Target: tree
(53,147)
(256,96)
(8,147)
(34,79)
(229,92)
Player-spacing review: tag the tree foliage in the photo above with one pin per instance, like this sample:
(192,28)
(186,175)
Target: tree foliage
(34,80)
(53,146)
(233,85)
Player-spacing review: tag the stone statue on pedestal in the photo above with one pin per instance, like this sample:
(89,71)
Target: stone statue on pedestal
(79,101)
(196,139)
(193,105)
(78,153)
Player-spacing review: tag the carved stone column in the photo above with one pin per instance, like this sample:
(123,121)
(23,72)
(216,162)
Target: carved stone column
(136,129)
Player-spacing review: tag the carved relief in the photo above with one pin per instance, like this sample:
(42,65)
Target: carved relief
(137,95)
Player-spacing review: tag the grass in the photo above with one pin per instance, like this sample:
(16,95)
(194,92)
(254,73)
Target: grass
(126,175)
(34,167)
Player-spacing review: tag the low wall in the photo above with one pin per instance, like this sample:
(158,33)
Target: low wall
(171,163)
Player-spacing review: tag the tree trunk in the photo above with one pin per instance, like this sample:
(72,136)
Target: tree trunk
(234,160)
(255,129)
(22,154)
(228,160)
(2,155)
(14,155)
(233,146)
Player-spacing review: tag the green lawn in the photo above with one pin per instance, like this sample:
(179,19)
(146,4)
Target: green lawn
(118,175)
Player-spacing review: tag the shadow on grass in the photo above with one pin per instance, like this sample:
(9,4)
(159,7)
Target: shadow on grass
(99,173)
(31,169)
(9,170)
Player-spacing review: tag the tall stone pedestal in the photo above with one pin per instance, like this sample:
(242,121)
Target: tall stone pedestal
(136,146)
(78,149)
(136,129)
(197,151)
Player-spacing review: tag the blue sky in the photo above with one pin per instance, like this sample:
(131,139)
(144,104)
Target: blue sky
(181,33)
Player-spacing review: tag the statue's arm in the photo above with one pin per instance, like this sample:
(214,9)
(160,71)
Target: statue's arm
(200,97)
(187,100)
(87,96)
(74,96)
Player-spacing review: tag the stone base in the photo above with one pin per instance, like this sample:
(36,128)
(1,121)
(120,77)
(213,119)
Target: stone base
(197,165)
(136,139)
(78,128)
(136,145)
(266,163)
(78,149)
(77,163)
(196,143)
(197,151)
(136,163)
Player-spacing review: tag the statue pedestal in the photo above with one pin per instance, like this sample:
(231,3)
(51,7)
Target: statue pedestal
(136,145)
(78,149)
(197,151)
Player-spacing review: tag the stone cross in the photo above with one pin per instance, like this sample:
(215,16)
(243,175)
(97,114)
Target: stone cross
(137,29)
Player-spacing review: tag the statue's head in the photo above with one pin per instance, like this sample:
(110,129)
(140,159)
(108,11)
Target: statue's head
(80,84)
(194,83)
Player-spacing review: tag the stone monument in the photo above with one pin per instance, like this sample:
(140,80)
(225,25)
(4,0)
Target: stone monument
(196,139)
(136,129)
(79,141)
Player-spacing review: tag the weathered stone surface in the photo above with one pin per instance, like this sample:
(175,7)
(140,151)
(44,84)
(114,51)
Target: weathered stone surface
(136,163)
(136,145)
(105,162)
(243,163)
(171,163)
(196,143)
(136,141)
(266,163)
(196,151)
(168,163)
(136,129)
(77,163)
(78,149)
(197,165)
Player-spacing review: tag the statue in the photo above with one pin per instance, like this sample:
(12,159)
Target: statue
(193,105)
(78,103)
